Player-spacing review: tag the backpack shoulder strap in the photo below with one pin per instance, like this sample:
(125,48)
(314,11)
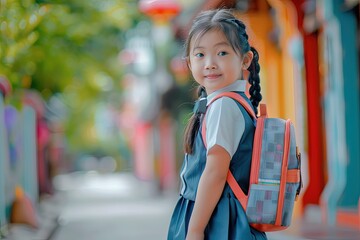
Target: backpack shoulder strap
(234,96)
(237,98)
(240,195)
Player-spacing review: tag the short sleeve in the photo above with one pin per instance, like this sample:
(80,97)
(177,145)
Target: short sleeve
(225,125)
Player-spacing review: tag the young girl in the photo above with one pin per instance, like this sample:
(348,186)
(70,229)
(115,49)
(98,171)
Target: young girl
(218,52)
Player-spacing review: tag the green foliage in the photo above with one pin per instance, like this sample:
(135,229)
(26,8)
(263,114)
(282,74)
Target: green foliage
(69,47)
(18,20)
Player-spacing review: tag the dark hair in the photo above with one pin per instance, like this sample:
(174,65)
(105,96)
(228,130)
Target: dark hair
(235,32)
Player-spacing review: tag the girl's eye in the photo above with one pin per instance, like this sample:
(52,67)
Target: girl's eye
(199,55)
(222,53)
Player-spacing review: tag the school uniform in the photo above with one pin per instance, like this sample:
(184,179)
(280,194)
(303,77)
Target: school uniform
(228,125)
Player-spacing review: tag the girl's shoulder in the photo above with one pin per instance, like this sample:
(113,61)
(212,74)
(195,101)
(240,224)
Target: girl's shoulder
(225,124)
(224,105)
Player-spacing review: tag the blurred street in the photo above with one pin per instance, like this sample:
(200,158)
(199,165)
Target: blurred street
(111,207)
(96,206)
(95,97)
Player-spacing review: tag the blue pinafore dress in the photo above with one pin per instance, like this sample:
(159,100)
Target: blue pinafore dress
(228,221)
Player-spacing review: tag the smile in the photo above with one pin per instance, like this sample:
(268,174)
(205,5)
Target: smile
(212,76)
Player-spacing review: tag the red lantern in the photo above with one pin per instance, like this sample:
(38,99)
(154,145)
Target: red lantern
(160,10)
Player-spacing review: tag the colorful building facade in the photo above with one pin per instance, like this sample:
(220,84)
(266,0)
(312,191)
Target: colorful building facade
(309,57)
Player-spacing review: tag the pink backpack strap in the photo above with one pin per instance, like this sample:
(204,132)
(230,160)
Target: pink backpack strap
(234,96)
(240,195)
(239,99)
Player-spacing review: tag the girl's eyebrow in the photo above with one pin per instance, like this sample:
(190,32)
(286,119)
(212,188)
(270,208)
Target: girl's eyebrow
(221,43)
(217,44)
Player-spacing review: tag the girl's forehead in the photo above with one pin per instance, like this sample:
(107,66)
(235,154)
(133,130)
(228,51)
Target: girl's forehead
(204,37)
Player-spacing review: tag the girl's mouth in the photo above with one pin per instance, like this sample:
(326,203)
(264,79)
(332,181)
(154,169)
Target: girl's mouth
(212,76)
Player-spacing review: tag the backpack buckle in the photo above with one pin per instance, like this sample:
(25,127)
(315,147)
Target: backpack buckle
(298,156)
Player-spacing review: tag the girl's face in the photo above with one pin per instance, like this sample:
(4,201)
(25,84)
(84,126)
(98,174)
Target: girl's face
(214,63)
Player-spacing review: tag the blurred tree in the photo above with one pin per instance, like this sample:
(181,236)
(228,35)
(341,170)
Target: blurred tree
(18,21)
(69,47)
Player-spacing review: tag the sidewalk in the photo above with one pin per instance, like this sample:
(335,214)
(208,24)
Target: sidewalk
(119,207)
(91,206)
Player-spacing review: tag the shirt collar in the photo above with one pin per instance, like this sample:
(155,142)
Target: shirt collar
(238,86)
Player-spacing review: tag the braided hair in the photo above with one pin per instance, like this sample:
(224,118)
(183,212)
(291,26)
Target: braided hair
(235,32)
(195,120)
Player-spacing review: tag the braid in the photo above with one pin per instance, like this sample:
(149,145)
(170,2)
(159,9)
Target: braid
(254,67)
(194,122)
(201,92)
(243,33)
(254,80)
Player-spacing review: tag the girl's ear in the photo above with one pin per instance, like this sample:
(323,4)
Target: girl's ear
(248,57)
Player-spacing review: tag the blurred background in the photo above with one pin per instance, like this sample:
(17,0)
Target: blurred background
(94,97)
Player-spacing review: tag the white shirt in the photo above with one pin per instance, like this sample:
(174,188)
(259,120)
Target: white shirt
(225,123)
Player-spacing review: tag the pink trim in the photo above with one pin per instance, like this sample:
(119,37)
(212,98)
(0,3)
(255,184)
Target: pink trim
(293,176)
(256,154)
(284,169)
(234,96)
(263,112)
(203,131)
(239,99)
(268,227)
(238,192)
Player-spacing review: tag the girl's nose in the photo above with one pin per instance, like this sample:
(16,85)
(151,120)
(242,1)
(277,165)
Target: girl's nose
(210,64)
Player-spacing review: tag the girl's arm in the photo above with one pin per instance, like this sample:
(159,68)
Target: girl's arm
(210,188)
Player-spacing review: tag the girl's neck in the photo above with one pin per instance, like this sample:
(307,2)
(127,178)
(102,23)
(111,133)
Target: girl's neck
(238,86)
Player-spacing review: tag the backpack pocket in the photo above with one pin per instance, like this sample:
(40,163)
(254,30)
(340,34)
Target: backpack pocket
(262,203)
(290,193)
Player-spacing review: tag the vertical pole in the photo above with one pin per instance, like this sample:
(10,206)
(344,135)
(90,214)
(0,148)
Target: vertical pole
(334,115)
(29,167)
(315,179)
(348,23)
(164,147)
(342,105)
(3,158)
